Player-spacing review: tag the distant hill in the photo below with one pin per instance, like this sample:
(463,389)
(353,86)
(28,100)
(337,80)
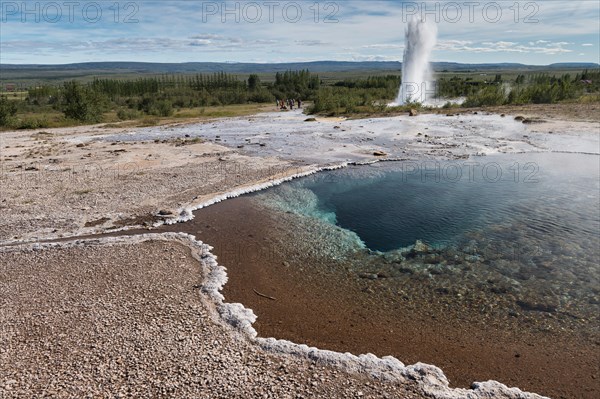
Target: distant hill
(579,65)
(317,67)
(209,67)
(24,76)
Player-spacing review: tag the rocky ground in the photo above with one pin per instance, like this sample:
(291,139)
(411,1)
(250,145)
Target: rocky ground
(59,183)
(94,321)
(128,320)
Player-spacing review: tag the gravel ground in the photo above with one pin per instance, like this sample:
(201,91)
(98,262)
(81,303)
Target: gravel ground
(129,320)
(63,184)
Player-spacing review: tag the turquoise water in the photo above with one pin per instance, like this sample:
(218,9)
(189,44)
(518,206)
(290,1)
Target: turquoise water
(526,226)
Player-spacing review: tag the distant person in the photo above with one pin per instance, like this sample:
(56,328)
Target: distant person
(292,104)
(299,103)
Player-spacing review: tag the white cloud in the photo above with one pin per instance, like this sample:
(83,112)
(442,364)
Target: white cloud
(175,31)
(311,43)
(362,57)
(207,36)
(501,46)
(384,46)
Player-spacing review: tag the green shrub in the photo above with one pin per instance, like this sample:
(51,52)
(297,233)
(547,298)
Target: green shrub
(488,96)
(8,109)
(30,123)
(125,114)
(81,103)
(163,108)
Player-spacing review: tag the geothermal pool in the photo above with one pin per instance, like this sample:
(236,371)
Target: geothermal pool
(486,267)
(523,227)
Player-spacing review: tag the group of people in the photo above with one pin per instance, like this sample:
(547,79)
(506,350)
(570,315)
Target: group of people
(289,103)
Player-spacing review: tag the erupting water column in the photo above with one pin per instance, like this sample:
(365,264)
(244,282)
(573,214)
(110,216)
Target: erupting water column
(417,82)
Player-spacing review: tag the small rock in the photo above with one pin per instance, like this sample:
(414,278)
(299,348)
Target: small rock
(368,276)
(538,307)
(420,247)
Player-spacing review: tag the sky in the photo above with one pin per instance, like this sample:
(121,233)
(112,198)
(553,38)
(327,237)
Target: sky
(69,31)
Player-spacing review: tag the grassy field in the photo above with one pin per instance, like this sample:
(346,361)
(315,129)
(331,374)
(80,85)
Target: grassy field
(192,114)
(50,118)
(15,95)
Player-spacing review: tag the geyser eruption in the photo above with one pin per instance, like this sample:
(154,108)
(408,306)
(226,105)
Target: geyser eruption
(416,73)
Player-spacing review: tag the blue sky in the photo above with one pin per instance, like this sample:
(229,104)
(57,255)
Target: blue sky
(61,31)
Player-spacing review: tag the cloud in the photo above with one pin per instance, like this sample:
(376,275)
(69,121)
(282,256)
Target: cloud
(207,36)
(200,43)
(550,48)
(368,30)
(379,57)
(222,42)
(311,43)
(384,46)
(127,44)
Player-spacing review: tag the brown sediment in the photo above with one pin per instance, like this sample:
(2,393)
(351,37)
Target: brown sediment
(320,304)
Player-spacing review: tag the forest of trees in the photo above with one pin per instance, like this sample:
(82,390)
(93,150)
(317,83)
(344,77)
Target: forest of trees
(157,96)
(161,96)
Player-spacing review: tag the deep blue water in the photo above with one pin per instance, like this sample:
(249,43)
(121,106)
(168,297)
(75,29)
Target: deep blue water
(392,205)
